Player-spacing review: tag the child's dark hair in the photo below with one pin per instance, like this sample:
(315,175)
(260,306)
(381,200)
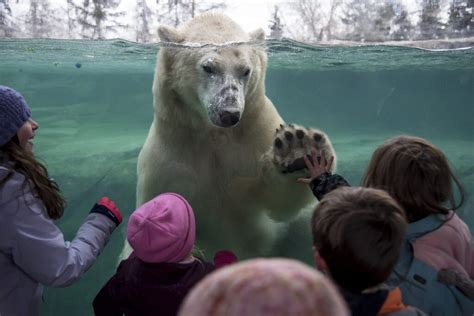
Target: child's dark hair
(359,233)
(416,173)
(12,154)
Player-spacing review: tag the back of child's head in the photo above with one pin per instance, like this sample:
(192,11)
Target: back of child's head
(163,229)
(359,233)
(273,287)
(416,173)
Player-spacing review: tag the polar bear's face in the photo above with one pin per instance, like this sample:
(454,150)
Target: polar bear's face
(224,74)
(215,80)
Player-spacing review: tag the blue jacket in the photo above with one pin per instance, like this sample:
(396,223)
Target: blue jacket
(419,282)
(33,251)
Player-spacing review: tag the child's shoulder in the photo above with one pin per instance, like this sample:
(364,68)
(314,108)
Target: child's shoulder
(438,227)
(453,230)
(15,179)
(454,222)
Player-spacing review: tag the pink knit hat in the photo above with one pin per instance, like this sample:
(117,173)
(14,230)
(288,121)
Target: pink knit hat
(163,229)
(266,287)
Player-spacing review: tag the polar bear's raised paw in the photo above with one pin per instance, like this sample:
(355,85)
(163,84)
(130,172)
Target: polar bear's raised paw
(292,142)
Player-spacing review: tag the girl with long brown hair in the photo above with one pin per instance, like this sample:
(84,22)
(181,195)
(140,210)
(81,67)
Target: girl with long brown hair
(33,252)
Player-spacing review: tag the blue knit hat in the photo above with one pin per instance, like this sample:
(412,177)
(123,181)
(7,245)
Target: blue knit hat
(14,112)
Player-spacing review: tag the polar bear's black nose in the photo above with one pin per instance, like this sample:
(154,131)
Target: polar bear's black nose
(229,118)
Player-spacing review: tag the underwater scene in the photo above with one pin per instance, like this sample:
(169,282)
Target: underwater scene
(93,101)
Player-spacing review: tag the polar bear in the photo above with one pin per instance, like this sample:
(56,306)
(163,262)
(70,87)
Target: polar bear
(219,141)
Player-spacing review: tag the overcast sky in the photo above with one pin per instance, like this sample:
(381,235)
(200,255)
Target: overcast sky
(251,14)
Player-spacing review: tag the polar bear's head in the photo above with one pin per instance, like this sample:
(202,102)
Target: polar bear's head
(215,76)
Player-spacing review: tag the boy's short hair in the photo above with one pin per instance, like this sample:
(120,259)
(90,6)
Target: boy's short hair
(359,233)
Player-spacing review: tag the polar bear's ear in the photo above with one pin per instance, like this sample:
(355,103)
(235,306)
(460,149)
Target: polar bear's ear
(169,35)
(257,36)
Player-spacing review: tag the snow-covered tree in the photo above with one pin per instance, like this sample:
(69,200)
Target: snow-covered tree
(175,12)
(7,25)
(402,26)
(40,21)
(276,27)
(99,17)
(143,21)
(391,21)
(71,19)
(358,17)
(461,18)
(430,25)
(308,24)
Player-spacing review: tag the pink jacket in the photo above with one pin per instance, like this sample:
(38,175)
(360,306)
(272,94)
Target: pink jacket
(450,246)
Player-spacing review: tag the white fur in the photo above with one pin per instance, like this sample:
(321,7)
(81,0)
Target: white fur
(227,174)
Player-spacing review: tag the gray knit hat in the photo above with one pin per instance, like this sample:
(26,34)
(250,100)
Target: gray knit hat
(14,112)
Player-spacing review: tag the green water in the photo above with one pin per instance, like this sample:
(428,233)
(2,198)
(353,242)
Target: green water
(94,119)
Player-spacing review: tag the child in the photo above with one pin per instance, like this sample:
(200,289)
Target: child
(161,269)
(265,287)
(417,174)
(357,237)
(33,252)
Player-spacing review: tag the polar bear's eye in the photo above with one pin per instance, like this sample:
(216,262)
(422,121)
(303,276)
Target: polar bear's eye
(208,69)
(246,72)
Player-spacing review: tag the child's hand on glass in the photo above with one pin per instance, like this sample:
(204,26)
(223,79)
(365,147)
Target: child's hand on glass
(316,166)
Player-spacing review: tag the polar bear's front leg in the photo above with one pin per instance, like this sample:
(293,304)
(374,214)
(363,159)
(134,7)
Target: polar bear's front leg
(284,164)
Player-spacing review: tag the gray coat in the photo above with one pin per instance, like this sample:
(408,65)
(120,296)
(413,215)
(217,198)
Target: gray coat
(33,251)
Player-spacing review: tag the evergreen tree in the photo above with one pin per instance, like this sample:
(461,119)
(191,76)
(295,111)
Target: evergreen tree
(383,21)
(391,22)
(430,25)
(461,18)
(403,28)
(98,17)
(358,17)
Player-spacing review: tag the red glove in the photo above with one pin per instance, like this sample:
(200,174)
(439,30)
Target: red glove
(223,258)
(108,208)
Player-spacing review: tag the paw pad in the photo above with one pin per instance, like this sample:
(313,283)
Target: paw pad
(292,142)
(278,143)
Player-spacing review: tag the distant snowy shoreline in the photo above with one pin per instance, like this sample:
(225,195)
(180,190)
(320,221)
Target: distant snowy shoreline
(437,44)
